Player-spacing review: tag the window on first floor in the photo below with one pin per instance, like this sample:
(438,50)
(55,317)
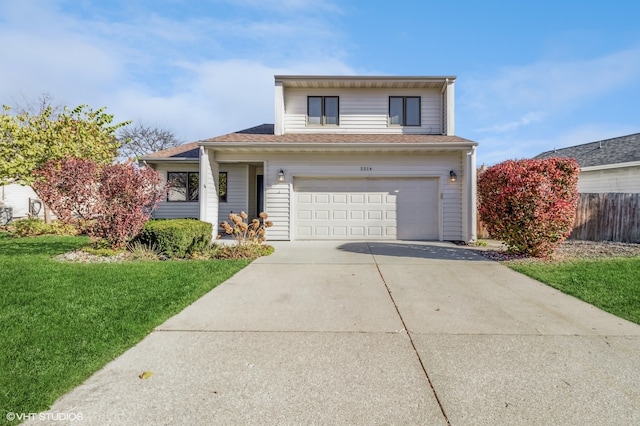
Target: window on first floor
(222,186)
(404,110)
(323,110)
(183,186)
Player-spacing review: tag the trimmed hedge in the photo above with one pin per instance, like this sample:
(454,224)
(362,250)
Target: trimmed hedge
(177,237)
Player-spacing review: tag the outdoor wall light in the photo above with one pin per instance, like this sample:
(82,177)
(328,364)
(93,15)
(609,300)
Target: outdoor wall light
(281,176)
(452,176)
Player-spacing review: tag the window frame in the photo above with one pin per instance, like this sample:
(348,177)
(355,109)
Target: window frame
(188,191)
(404,111)
(323,109)
(223,197)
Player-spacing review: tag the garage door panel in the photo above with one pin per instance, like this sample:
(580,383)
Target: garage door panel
(344,208)
(340,214)
(339,198)
(374,214)
(356,215)
(357,199)
(305,214)
(374,198)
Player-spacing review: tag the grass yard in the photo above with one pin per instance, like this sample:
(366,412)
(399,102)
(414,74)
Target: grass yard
(60,322)
(611,284)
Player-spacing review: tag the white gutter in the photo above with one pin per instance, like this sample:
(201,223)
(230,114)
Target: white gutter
(171,160)
(610,166)
(340,145)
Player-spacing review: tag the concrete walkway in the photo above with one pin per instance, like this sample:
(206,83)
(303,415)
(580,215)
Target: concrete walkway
(374,333)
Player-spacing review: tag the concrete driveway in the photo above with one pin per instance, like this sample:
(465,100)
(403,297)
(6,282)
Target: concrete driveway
(374,333)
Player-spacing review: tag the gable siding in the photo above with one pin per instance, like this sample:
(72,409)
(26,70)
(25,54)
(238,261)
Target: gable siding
(624,179)
(363,111)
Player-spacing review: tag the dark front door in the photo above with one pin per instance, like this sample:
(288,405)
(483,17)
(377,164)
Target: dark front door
(260,193)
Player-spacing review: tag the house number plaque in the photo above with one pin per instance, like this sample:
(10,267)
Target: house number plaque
(365,168)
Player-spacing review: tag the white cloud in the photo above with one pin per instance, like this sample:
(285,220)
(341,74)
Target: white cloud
(198,77)
(550,86)
(529,118)
(216,97)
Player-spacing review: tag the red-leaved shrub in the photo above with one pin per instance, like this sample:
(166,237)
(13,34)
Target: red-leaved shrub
(529,204)
(111,201)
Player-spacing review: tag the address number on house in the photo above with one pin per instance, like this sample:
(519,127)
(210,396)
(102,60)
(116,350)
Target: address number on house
(366,168)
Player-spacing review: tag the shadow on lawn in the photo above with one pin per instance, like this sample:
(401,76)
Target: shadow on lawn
(44,245)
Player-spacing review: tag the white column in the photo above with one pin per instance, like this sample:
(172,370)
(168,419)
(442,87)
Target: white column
(209,176)
(472,195)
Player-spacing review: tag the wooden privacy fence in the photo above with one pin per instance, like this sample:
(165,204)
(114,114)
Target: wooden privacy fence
(608,217)
(602,217)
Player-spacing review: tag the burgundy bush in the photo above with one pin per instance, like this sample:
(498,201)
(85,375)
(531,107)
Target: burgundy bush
(110,201)
(529,204)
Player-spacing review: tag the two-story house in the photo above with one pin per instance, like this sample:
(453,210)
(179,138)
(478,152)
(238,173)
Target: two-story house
(346,158)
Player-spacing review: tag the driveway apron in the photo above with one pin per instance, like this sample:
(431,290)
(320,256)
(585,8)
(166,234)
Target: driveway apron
(374,333)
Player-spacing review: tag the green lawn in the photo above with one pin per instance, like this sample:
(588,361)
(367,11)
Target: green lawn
(60,322)
(612,285)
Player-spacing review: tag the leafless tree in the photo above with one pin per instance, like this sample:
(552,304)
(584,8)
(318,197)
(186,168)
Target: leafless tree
(140,139)
(37,106)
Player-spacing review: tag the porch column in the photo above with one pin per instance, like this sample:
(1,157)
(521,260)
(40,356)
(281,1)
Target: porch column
(209,181)
(472,203)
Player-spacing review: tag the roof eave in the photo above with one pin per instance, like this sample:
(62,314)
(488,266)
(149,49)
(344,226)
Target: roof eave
(360,146)
(610,166)
(170,160)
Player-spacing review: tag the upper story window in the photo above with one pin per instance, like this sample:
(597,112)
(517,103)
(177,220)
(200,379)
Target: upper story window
(183,186)
(323,110)
(404,110)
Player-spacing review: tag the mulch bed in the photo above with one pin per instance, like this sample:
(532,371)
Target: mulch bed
(570,249)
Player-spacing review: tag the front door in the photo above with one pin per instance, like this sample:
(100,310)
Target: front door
(260,193)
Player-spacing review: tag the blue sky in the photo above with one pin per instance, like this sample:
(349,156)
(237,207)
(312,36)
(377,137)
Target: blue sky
(532,76)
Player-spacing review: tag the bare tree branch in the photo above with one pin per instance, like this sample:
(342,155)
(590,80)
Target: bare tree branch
(140,139)
(38,106)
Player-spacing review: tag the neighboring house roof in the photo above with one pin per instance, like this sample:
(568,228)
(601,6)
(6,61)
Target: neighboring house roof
(623,149)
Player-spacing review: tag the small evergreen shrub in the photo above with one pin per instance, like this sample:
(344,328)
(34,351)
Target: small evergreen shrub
(32,227)
(176,237)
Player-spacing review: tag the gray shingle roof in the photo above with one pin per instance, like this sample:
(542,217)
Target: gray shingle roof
(264,133)
(187,150)
(623,149)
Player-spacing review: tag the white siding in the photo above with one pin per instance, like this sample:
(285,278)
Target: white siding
(176,209)
(363,111)
(624,179)
(237,190)
(279,203)
(17,197)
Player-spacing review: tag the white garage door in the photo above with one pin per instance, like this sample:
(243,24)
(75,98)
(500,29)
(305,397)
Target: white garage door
(369,208)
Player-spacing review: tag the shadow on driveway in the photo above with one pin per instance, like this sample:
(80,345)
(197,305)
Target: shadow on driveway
(439,251)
